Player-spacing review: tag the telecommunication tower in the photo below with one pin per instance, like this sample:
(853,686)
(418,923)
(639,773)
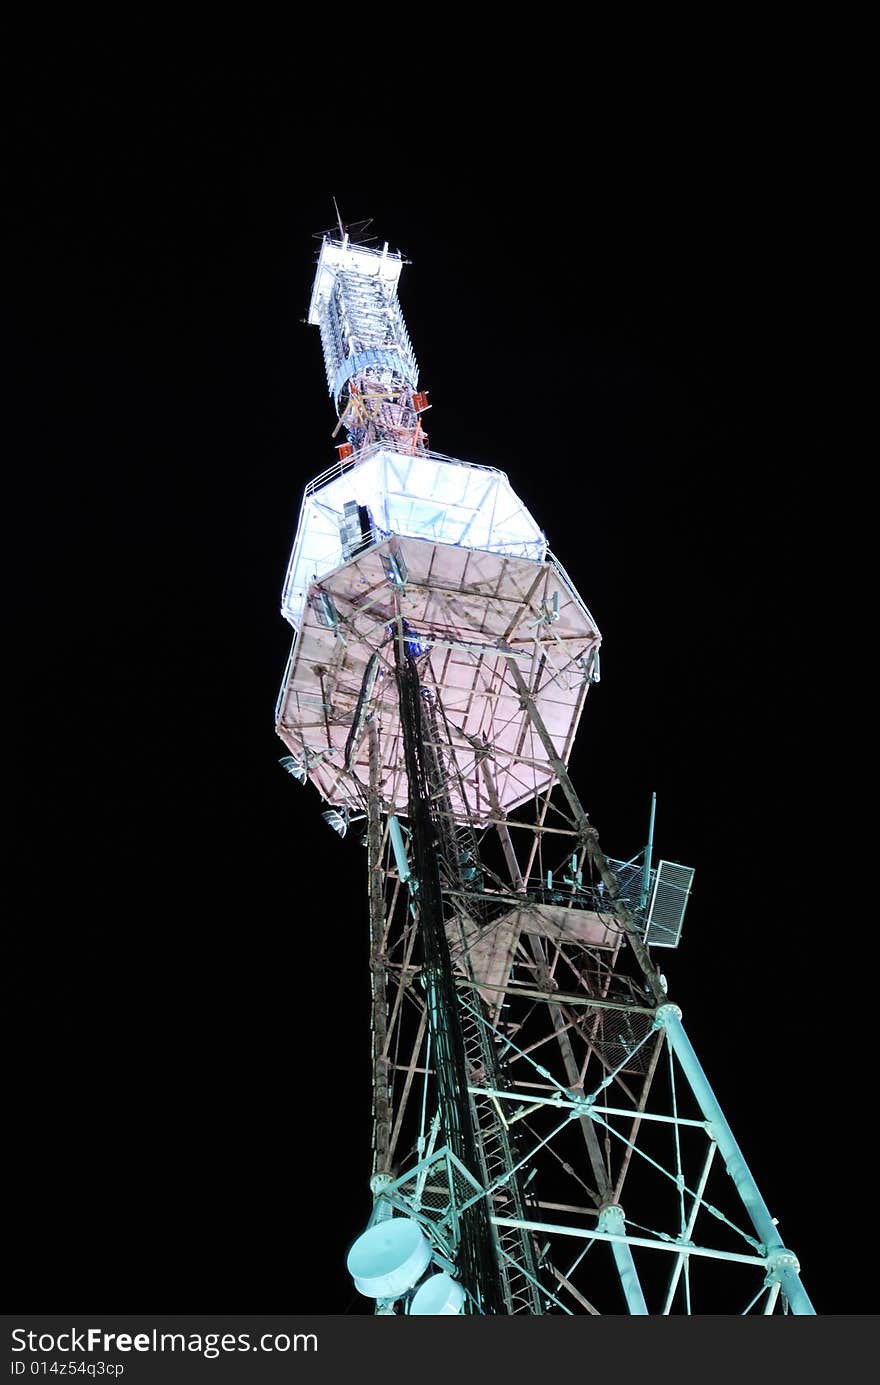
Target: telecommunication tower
(545,1140)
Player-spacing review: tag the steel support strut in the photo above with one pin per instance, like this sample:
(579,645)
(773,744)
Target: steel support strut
(611,1219)
(378,966)
(782,1265)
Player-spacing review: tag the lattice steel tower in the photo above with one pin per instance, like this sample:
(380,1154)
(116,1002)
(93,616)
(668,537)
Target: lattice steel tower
(545,1139)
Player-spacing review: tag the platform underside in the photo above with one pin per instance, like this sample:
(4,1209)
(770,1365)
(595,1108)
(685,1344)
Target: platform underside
(485,955)
(472,612)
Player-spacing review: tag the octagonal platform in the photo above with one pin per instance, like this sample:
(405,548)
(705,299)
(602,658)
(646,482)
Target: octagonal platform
(470,612)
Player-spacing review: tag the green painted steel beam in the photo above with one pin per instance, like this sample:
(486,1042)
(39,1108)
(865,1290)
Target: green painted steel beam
(782,1265)
(585,1233)
(611,1218)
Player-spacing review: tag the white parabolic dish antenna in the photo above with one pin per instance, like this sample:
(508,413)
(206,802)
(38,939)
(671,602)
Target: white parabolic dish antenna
(440,1294)
(389,1258)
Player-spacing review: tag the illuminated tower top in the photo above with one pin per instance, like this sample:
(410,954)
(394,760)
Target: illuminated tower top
(394,532)
(372,372)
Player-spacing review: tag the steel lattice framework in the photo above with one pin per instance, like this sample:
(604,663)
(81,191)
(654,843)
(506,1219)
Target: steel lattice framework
(545,1139)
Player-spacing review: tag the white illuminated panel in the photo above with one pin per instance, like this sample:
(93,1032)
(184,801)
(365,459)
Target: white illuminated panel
(354,302)
(424,496)
(338,256)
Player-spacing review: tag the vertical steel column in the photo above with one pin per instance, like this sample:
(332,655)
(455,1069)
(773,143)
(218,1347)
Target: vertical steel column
(782,1265)
(477,1256)
(611,1219)
(378,965)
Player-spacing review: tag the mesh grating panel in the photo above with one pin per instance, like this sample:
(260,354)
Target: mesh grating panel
(437,1188)
(668,903)
(618,1036)
(630,875)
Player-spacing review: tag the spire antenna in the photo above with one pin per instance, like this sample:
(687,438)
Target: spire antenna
(353,231)
(339,219)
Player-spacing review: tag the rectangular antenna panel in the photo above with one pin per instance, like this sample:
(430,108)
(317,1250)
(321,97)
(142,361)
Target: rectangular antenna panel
(672,887)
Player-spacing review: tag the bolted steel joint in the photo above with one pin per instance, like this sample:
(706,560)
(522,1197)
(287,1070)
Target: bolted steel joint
(781,1259)
(666,1012)
(611,1212)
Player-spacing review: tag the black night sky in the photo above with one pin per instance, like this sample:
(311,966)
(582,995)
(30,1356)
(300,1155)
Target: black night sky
(635,327)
